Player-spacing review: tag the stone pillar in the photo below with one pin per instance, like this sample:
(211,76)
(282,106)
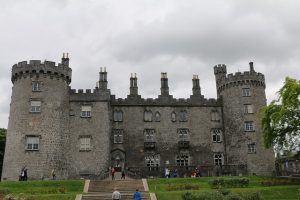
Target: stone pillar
(133,85)
(164,84)
(196,85)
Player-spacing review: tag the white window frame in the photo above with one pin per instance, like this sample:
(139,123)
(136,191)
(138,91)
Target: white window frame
(246,92)
(86,111)
(248,109)
(152,162)
(182,160)
(249,126)
(35,106)
(118,136)
(36,86)
(183,134)
(218,159)
(85,143)
(251,147)
(216,135)
(32,143)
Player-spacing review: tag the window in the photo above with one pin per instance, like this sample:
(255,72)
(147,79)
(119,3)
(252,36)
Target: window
(152,162)
(251,148)
(32,143)
(249,126)
(248,108)
(36,86)
(118,116)
(118,136)
(148,116)
(149,135)
(86,111)
(218,159)
(85,143)
(215,116)
(216,135)
(246,92)
(157,117)
(182,160)
(183,134)
(173,117)
(183,116)
(35,106)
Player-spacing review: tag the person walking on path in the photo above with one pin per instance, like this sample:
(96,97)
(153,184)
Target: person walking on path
(113,171)
(137,195)
(116,195)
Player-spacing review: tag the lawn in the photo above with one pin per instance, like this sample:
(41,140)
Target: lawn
(279,192)
(45,190)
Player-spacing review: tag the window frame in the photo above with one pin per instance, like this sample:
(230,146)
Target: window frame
(36,86)
(182,160)
(216,136)
(86,113)
(249,126)
(35,108)
(251,148)
(248,109)
(33,145)
(85,146)
(217,158)
(246,92)
(118,136)
(183,134)
(152,162)
(118,116)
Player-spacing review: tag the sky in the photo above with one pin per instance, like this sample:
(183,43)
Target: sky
(148,37)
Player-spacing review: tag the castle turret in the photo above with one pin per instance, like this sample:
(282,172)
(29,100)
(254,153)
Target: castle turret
(38,122)
(133,85)
(164,84)
(243,94)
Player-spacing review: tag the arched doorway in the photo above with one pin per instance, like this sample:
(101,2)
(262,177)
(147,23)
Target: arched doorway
(118,159)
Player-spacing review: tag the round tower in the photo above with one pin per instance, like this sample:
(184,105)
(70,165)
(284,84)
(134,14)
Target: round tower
(243,94)
(38,121)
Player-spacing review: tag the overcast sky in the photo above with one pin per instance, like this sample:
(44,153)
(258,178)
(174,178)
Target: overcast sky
(147,37)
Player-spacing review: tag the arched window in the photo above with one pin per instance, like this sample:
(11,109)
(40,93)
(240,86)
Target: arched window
(218,159)
(157,117)
(183,116)
(118,116)
(173,117)
(215,115)
(148,116)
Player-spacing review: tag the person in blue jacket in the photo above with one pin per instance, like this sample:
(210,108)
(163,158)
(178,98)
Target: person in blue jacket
(137,195)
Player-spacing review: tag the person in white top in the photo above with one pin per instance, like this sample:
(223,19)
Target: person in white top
(116,195)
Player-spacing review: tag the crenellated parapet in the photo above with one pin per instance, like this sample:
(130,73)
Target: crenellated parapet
(162,102)
(38,68)
(224,80)
(89,95)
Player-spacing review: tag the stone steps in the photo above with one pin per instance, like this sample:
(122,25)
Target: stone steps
(102,190)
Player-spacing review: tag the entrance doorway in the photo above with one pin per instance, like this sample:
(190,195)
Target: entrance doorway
(118,160)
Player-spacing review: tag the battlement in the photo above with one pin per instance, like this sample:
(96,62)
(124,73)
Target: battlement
(220,69)
(138,101)
(241,78)
(37,67)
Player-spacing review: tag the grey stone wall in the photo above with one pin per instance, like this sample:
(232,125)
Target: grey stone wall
(51,125)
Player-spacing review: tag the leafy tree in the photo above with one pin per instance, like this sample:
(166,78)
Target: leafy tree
(281,119)
(2,146)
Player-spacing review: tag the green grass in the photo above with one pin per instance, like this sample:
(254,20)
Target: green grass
(46,190)
(281,192)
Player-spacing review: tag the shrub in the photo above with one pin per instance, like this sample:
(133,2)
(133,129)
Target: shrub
(4,191)
(234,196)
(276,181)
(202,196)
(228,183)
(224,191)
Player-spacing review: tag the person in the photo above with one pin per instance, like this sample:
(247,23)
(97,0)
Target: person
(21,178)
(113,171)
(167,173)
(25,175)
(116,195)
(53,174)
(137,195)
(175,173)
(123,174)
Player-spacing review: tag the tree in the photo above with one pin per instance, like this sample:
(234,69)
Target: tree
(2,146)
(281,119)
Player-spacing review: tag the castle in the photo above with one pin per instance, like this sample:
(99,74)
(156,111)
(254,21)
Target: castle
(83,133)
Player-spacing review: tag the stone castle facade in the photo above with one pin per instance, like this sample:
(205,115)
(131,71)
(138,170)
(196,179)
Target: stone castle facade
(83,133)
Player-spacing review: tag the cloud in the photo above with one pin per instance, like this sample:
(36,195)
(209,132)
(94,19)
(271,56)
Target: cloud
(149,37)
